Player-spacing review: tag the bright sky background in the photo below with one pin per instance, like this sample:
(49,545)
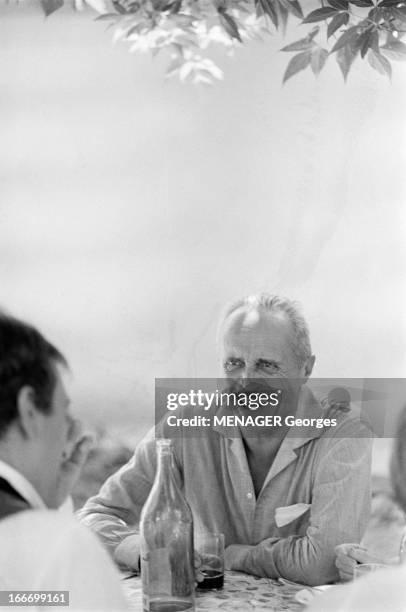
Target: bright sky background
(132,209)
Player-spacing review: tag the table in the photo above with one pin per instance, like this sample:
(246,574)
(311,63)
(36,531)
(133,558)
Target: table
(241,593)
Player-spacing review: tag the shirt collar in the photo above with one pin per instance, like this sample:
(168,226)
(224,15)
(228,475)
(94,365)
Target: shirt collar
(22,486)
(308,407)
(297,437)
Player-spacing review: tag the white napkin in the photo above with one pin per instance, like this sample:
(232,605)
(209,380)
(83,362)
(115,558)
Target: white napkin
(287,514)
(306,596)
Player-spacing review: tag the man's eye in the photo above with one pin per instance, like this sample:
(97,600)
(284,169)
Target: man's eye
(268,365)
(232,364)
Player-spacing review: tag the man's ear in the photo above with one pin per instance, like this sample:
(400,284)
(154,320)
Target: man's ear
(27,412)
(308,368)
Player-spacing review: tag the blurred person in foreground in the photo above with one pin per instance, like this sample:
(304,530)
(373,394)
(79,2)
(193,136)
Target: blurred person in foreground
(351,555)
(42,449)
(383,590)
(283,501)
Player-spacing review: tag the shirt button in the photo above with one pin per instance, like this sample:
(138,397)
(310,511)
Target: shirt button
(249,495)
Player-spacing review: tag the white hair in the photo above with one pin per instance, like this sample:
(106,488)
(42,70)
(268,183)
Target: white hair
(275,303)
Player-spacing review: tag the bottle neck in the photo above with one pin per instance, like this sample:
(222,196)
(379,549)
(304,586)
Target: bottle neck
(166,477)
(166,500)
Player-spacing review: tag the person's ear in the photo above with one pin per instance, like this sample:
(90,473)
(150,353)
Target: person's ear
(28,421)
(308,367)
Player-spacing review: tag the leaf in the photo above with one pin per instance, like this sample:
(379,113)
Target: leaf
(313,33)
(368,40)
(374,41)
(340,5)
(174,66)
(269,9)
(320,14)
(120,9)
(380,63)
(376,14)
(135,29)
(388,3)
(283,15)
(347,38)
(345,58)
(399,14)
(50,6)
(296,9)
(299,45)
(362,3)
(100,6)
(106,17)
(393,56)
(176,6)
(395,49)
(229,25)
(297,63)
(338,20)
(318,59)
(292,6)
(172,7)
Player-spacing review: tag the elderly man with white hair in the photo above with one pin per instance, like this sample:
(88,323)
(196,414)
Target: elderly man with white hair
(282,500)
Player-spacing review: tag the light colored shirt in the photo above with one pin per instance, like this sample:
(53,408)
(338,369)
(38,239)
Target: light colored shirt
(326,472)
(21,485)
(43,550)
(27,491)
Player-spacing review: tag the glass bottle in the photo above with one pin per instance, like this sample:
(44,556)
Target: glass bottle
(166,528)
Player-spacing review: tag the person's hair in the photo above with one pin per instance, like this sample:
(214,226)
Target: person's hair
(398,462)
(275,303)
(26,359)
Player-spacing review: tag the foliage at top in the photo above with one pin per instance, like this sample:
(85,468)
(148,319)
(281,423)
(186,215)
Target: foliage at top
(185,29)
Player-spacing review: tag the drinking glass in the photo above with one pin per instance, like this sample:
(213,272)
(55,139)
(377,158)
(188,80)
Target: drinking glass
(363,569)
(210,548)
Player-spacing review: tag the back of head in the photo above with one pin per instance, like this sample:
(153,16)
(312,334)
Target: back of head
(26,359)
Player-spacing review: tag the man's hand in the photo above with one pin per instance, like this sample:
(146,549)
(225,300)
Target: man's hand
(127,555)
(74,456)
(228,558)
(349,556)
(199,577)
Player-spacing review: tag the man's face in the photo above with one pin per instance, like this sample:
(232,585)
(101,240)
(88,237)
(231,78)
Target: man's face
(54,431)
(257,349)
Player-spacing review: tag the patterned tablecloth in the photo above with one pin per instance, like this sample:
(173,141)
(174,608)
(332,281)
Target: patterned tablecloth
(241,593)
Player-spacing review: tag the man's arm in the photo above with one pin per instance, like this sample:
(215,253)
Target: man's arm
(114,512)
(339,513)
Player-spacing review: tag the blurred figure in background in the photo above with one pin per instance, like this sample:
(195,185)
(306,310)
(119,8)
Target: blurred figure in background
(351,555)
(42,449)
(383,590)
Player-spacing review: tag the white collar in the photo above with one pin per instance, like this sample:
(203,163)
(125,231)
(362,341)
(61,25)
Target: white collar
(21,485)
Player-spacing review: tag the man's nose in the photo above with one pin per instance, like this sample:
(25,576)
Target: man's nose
(247,374)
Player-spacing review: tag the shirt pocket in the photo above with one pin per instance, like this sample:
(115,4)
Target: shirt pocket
(292,520)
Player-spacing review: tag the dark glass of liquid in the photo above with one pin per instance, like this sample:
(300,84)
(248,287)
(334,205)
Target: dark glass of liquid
(213,579)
